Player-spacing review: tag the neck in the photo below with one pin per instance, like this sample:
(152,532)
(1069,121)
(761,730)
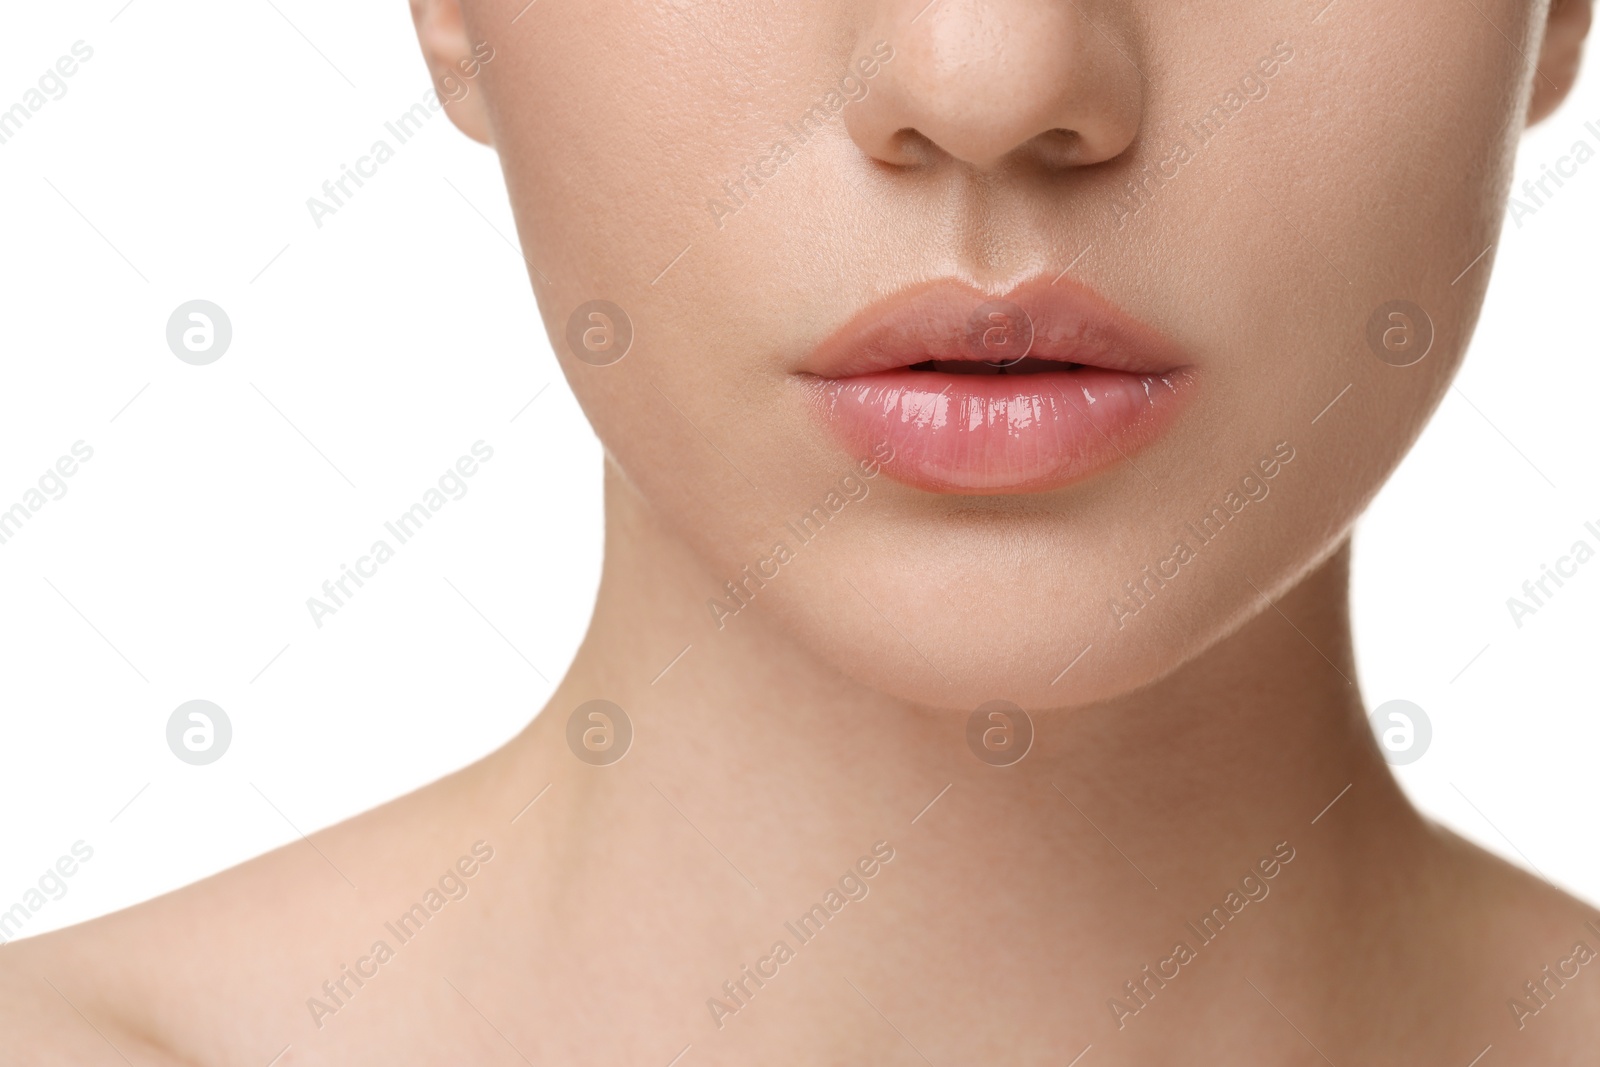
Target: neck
(1146,810)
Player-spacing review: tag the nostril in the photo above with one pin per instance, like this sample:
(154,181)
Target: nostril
(909,147)
(1015,85)
(1059,148)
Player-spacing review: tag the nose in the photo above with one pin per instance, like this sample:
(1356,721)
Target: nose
(992,82)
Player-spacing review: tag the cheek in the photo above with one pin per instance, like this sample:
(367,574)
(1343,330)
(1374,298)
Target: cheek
(620,124)
(1374,172)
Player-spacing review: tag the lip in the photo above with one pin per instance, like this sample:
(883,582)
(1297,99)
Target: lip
(1095,386)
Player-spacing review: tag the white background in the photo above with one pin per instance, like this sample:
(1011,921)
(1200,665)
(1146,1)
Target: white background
(371,353)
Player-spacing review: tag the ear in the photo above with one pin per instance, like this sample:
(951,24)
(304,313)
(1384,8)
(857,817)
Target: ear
(454,63)
(1559,57)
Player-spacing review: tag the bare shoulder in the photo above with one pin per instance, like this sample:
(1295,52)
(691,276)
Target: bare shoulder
(221,971)
(1533,955)
(40,1024)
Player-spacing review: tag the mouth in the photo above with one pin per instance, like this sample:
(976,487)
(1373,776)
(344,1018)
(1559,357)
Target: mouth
(970,393)
(1025,365)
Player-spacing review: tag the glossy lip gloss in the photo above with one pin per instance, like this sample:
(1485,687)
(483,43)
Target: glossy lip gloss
(979,394)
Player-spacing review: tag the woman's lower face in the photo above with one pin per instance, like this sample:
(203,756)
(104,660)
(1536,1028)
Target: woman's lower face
(1029,327)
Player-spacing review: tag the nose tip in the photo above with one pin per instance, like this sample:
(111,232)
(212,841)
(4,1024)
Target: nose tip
(986,82)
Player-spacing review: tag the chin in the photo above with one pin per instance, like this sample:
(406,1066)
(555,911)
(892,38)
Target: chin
(951,630)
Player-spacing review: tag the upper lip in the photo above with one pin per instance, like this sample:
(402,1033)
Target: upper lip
(1071,324)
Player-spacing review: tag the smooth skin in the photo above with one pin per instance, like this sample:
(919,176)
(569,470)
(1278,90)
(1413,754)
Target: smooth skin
(1213,728)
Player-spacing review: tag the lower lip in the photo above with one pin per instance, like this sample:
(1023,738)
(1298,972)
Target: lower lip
(1009,433)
